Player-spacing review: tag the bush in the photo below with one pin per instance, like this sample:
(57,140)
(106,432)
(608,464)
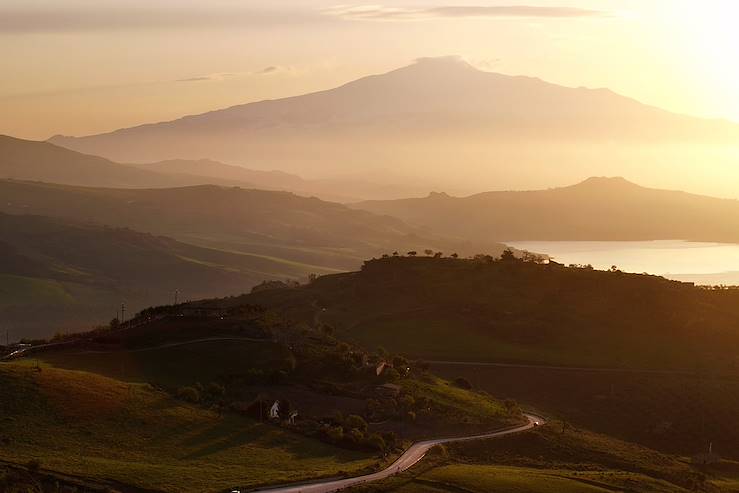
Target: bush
(356,422)
(463,383)
(510,405)
(216,390)
(189,394)
(33,465)
(376,442)
(335,434)
(391,375)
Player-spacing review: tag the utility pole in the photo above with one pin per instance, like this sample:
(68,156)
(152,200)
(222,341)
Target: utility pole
(176,295)
(123,312)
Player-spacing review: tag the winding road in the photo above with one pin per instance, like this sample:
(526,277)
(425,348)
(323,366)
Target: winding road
(410,457)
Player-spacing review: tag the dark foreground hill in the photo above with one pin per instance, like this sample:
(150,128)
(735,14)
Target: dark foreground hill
(610,209)
(318,236)
(633,356)
(524,312)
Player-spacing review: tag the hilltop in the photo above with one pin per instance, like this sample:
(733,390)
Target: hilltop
(599,208)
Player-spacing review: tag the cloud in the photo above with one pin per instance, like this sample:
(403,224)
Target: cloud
(135,16)
(209,77)
(384,13)
(269,70)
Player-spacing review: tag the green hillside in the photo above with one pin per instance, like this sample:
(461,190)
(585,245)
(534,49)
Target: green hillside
(57,275)
(550,460)
(83,424)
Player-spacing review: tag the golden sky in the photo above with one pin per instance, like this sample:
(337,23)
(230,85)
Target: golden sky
(77,67)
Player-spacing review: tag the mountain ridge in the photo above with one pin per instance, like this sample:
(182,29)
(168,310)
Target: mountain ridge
(428,115)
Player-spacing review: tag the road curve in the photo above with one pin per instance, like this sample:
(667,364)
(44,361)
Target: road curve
(410,457)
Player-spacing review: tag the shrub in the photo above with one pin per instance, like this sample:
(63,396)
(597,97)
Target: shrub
(377,442)
(335,434)
(355,436)
(216,390)
(510,405)
(407,401)
(356,422)
(189,394)
(391,375)
(463,383)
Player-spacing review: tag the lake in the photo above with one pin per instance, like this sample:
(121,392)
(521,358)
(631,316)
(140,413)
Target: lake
(699,262)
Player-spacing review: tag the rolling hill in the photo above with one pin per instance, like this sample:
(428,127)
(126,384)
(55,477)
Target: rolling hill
(609,209)
(275,225)
(633,356)
(59,275)
(441,115)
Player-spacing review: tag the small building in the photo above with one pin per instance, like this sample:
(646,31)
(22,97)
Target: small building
(381,367)
(274,411)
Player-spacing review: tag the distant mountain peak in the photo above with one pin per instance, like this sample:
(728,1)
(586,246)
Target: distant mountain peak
(449,62)
(606,182)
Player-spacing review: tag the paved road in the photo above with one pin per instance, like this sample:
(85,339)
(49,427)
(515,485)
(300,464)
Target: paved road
(409,458)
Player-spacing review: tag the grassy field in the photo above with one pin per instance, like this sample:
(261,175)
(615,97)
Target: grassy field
(548,460)
(20,290)
(483,479)
(676,413)
(84,424)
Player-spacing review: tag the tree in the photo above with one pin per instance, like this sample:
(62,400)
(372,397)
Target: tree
(454,255)
(438,255)
(391,374)
(115,323)
(463,383)
(312,278)
(507,255)
(335,434)
(356,422)
(428,252)
(216,390)
(412,253)
(376,442)
(395,253)
(189,394)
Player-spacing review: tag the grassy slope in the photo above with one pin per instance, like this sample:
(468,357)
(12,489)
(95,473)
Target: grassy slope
(550,460)
(85,424)
(171,366)
(75,275)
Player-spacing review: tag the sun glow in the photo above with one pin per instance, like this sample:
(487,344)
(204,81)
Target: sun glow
(706,39)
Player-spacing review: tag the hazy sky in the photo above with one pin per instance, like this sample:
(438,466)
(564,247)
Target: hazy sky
(86,66)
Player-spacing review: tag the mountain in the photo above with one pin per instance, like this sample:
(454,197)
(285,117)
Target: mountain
(280,226)
(56,274)
(442,116)
(41,161)
(596,209)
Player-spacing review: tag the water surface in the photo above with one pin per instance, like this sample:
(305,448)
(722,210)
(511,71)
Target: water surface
(699,262)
